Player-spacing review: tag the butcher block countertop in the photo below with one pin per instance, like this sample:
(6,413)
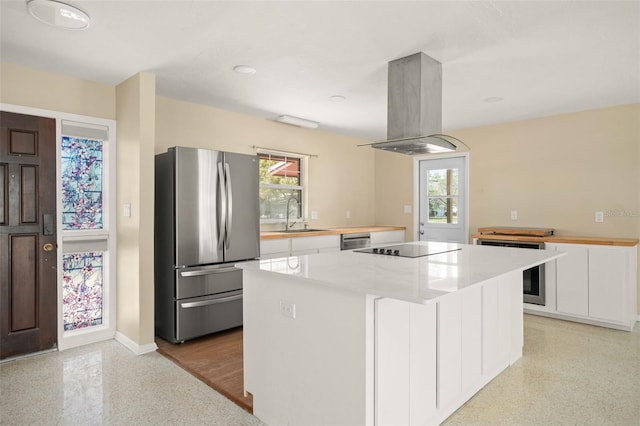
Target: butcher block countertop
(603,241)
(269,235)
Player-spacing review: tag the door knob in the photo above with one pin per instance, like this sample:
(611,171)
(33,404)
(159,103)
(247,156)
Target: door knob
(421,232)
(47,247)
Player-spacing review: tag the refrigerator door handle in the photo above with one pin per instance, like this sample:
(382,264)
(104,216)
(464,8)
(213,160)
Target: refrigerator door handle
(201,272)
(223,208)
(210,302)
(229,206)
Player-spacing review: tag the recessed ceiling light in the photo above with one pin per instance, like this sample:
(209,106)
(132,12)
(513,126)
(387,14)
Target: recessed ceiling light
(244,69)
(337,98)
(58,14)
(492,99)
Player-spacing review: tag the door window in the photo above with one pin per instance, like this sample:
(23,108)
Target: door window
(443,195)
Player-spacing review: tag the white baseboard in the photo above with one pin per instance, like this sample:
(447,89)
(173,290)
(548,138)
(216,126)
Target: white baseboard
(133,346)
(81,339)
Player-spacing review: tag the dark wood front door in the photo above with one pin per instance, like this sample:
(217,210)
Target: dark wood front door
(28,296)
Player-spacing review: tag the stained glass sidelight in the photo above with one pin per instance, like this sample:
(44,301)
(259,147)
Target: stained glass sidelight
(82,289)
(81,164)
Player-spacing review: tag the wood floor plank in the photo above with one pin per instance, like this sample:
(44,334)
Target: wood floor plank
(216,360)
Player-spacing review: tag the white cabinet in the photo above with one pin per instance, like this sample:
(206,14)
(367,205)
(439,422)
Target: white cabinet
(270,249)
(309,245)
(597,284)
(572,279)
(283,247)
(387,237)
(428,358)
(608,287)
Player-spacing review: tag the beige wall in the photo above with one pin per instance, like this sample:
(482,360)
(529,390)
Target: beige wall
(134,169)
(39,89)
(340,177)
(555,171)
(394,190)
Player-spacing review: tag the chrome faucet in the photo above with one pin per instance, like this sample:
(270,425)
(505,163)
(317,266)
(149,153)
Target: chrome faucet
(286,225)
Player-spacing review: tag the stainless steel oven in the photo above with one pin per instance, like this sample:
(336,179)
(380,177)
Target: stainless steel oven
(533,285)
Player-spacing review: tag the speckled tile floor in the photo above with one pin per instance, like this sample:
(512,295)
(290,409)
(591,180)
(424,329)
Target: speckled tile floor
(571,374)
(106,384)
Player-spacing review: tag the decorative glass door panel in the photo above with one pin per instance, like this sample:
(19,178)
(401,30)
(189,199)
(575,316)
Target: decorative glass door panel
(82,289)
(81,171)
(86,238)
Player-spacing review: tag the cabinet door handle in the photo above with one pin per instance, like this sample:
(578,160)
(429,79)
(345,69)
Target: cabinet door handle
(210,302)
(201,272)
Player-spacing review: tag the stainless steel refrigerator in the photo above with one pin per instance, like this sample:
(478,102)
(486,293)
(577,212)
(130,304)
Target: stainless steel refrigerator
(206,219)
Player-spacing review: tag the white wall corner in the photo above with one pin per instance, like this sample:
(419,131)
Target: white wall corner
(133,346)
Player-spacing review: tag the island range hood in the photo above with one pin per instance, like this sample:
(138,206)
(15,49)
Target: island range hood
(414,112)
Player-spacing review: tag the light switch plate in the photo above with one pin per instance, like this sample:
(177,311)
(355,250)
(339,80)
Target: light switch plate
(599,217)
(126,210)
(407,208)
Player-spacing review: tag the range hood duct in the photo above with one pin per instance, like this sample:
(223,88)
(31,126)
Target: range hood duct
(414,112)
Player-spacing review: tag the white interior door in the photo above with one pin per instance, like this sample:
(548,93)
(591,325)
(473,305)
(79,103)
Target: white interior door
(442,199)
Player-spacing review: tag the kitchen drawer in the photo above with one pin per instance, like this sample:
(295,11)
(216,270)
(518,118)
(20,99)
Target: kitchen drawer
(315,243)
(280,245)
(199,316)
(203,280)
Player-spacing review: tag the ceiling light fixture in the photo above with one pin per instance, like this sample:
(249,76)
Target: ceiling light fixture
(58,14)
(295,121)
(244,69)
(337,98)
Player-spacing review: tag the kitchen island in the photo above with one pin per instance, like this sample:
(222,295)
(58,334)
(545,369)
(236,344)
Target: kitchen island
(354,338)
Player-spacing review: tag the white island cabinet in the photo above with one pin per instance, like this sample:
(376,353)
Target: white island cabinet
(352,338)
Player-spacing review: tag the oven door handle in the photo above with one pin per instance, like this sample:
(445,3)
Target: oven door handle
(201,272)
(210,302)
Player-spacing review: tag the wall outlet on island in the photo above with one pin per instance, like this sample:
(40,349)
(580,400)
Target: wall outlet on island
(288,309)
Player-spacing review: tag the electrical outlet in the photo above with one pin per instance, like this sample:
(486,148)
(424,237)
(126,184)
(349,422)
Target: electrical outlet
(407,208)
(347,214)
(599,217)
(288,309)
(314,214)
(514,214)
(126,210)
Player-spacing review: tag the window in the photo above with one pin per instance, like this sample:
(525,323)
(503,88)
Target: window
(443,195)
(281,186)
(87,237)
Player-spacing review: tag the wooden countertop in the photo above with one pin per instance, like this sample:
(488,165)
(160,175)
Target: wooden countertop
(603,241)
(270,235)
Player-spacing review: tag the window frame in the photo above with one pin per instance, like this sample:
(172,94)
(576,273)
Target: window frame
(303,187)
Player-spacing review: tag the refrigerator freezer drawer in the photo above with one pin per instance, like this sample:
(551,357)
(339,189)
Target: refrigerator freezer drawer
(204,280)
(199,316)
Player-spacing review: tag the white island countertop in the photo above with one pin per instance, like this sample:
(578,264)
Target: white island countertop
(416,280)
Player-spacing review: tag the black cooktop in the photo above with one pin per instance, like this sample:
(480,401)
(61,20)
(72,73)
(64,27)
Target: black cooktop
(405,250)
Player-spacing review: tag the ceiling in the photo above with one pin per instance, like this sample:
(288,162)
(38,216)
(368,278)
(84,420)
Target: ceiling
(540,57)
